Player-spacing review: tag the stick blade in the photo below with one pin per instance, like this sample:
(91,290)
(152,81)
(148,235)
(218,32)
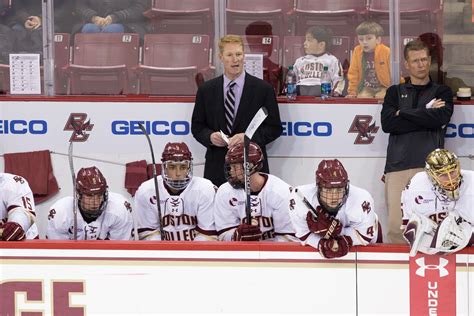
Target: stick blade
(257,120)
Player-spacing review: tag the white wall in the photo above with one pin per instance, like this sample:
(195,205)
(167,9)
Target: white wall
(292,158)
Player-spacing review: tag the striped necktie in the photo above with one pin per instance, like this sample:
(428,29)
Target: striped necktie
(229,107)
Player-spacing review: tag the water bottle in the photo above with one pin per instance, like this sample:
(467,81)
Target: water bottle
(291,84)
(325,84)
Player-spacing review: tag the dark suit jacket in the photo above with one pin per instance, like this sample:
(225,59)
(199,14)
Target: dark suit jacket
(208,117)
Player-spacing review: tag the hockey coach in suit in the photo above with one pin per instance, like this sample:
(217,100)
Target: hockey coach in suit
(225,106)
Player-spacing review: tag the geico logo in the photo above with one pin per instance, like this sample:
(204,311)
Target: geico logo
(152,127)
(464,130)
(36,127)
(322,129)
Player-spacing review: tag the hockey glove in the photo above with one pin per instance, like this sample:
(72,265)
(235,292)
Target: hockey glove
(452,235)
(12,231)
(246,232)
(324,225)
(335,247)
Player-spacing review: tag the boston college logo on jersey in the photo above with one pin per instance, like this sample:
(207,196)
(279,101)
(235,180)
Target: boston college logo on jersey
(361,125)
(76,123)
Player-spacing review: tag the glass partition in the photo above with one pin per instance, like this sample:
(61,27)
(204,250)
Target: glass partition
(168,47)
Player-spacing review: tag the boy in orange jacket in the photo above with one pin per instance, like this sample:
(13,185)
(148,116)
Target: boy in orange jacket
(369,72)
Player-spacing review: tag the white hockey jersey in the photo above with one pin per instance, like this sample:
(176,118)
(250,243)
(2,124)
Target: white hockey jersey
(269,207)
(187,216)
(357,216)
(115,222)
(309,69)
(420,197)
(17,203)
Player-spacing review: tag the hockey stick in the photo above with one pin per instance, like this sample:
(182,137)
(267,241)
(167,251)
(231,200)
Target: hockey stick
(79,135)
(257,120)
(306,203)
(74,188)
(157,192)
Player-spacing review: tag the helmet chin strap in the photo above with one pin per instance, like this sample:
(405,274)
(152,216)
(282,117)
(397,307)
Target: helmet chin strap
(90,216)
(333,210)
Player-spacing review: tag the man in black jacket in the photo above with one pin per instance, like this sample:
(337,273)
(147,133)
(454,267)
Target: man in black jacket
(227,104)
(415,114)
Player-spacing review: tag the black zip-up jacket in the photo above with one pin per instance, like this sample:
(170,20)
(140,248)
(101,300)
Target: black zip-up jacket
(127,12)
(416,131)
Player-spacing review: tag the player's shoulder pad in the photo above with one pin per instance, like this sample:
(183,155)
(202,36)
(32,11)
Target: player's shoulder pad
(308,190)
(224,188)
(149,185)
(202,184)
(63,208)
(420,181)
(118,204)
(361,200)
(15,184)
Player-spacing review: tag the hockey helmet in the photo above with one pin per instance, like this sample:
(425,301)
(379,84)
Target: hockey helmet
(444,171)
(92,193)
(332,185)
(177,163)
(234,159)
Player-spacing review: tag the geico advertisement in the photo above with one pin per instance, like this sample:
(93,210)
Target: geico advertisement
(114,128)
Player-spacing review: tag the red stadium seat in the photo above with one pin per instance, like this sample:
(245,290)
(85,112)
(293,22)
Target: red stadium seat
(62,50)
(416,17)
(182,17)
(172,62)
(102,63)
(240,14)
(341,16)
(293,49)
(268,46)
(4,79)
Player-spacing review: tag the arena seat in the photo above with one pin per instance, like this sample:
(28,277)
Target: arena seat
(62,51)
(416,17)
(182,17)
(268,46)
(172,62)
(242,13)
(102,63)
(341,16)
(293,49)
(4,79)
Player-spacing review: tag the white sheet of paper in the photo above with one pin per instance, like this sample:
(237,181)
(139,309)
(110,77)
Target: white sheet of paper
(224,137)
(25,75)
(254,65)
(429,105)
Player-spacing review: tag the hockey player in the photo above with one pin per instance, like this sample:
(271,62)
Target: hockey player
(102,214)
(268,200)
(437,205)
(338,214)
(186,201)
(17,209)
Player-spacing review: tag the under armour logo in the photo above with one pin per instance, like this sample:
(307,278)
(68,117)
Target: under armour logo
(423,267)
(404,96)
